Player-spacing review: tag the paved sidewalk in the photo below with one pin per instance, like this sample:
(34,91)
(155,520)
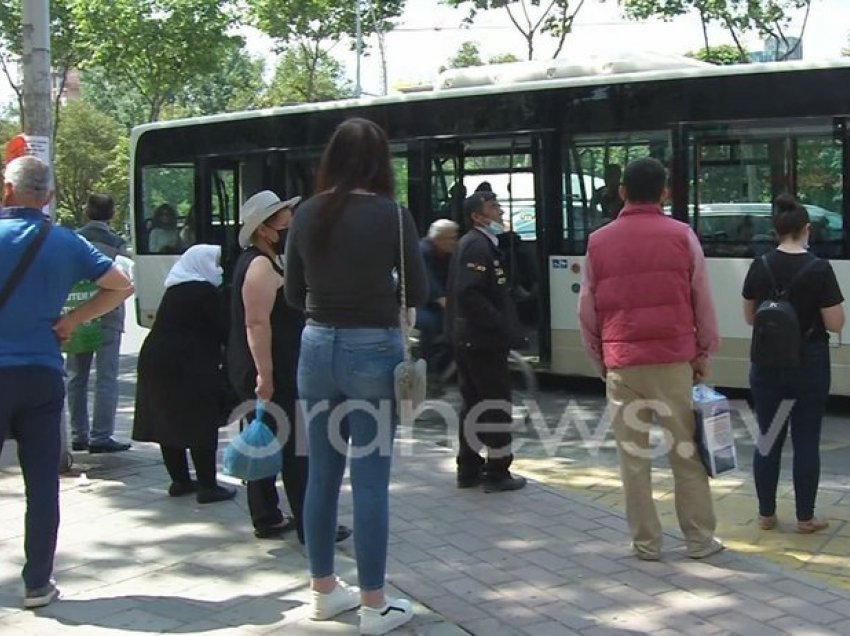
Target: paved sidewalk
(538,561)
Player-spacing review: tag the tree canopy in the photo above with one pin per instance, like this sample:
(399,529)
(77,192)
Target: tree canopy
(298,78)
(770,18)
(156,46)
(530,17)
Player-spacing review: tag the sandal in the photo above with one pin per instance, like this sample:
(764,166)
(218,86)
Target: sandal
(812,525)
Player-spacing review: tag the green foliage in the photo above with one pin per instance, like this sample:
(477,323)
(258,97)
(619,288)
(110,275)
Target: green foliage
(90,148)
(723,55)
(306,74)
(467,55)
(118,99)
(738,17)
(530,17)
(503,58)
(65,48)
(236,84)
(156,46)
(289,21)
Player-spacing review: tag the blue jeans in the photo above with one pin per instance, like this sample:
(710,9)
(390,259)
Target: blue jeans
(30,409)
(78,367)
(348,370)
(808,385)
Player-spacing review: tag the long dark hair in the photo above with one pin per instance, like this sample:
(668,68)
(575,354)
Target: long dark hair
(357,156)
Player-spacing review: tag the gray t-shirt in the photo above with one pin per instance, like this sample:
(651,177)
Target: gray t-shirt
(348,281)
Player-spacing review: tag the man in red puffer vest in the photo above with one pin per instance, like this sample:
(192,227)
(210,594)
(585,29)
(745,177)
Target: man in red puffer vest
(647,321)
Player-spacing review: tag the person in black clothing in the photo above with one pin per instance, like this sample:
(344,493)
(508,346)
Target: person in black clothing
(436,250)
(817,299)
(482,321)
(180,396)
(262,356)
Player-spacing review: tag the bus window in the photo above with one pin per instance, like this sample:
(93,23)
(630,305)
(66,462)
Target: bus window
(592,177)
(819,188)
(737,170)
(508,175)
(168,193)
(732,194)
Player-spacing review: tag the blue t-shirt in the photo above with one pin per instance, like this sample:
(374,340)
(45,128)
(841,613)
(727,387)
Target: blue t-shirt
(26,321)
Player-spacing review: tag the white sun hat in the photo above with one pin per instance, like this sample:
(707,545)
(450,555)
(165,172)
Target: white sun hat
(259,208)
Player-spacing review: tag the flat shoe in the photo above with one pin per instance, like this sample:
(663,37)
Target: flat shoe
(216,494)
(180,488)
(812,525)
(273,532)
(768,523)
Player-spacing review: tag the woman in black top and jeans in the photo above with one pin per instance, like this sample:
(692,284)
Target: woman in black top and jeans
(817,299)
(343,249)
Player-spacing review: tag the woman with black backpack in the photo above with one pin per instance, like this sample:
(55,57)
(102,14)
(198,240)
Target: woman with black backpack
(791,298)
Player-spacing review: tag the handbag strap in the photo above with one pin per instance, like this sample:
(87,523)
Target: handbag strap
(23,265)
(405,327)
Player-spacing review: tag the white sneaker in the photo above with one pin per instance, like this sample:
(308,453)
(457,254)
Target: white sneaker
(376,621)
(340,599)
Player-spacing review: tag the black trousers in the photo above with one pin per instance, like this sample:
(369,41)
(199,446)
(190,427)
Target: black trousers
(203,456)
(483,376)
(263,499)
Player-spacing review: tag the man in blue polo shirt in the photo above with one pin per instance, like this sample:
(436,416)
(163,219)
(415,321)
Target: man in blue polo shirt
(31,385)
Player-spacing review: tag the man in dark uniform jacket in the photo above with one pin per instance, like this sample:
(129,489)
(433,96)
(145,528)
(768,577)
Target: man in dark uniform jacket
(482,323)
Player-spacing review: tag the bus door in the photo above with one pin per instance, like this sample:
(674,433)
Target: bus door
(507,166)
(217,211)
(590,175)
(445,188)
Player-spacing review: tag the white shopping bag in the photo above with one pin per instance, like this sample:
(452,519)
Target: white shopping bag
(715,439)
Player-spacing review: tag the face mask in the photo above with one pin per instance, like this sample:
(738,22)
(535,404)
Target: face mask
(281,240)
(495,228)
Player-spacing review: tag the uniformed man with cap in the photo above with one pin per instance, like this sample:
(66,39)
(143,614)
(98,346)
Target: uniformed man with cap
(482,322)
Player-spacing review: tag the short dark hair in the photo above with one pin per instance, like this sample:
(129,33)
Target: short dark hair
(475,204)
(644,180)
(100,207)
(484,186)
(790,217)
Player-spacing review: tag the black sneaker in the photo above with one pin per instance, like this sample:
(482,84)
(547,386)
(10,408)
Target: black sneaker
(79,446)
(215,494)
(504,483)
(109,446)
(41,596)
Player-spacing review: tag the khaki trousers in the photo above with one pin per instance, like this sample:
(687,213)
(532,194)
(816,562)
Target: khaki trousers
(637,396)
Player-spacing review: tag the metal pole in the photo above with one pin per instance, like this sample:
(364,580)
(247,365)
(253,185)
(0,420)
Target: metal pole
(36,62)
(358,44)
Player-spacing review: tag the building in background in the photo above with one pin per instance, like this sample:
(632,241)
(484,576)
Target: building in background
(776,49)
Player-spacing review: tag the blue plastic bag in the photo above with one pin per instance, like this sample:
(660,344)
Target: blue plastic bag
(255,453)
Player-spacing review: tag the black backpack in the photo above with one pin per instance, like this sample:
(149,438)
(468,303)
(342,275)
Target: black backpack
(777,340)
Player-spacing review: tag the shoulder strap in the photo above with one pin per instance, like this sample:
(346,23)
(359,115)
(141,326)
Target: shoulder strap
(802,271)
(766,263)
(405,328)
(23,265)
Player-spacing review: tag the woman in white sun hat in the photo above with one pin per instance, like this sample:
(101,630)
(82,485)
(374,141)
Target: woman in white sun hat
(262,356)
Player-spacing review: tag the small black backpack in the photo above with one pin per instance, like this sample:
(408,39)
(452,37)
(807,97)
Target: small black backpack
(777,340)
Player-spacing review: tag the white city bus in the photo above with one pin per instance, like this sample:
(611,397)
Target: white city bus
(733,138)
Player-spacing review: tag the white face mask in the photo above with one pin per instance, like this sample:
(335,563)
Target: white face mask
(495,228)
